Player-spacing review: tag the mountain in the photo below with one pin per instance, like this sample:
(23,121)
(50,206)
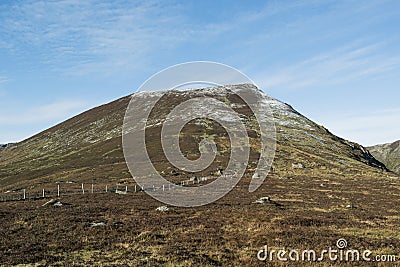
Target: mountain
(88,147)
(389,154)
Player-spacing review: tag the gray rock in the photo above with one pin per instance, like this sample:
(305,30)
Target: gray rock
(94,224)
(58,204)
(263,200)
(162,208)
(297,166)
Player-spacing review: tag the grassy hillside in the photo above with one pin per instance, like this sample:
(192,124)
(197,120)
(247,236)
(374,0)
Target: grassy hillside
(88,146)
(389,154)
(322,188)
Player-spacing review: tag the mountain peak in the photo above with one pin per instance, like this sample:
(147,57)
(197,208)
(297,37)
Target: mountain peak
(88,146)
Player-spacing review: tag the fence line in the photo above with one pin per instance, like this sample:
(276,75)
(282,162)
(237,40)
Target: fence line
(59,190)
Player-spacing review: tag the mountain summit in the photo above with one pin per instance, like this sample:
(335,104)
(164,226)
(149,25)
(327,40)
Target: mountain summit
(88,147)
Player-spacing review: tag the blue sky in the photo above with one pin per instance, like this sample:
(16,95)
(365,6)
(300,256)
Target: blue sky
(337,62)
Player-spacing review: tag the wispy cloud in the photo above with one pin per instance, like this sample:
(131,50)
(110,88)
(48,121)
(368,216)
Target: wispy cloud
(81,37)
(368,128)
(4,79)
(48,113)
(333,67)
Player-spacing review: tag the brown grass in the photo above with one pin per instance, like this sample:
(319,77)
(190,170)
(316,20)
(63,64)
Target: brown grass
(226,233)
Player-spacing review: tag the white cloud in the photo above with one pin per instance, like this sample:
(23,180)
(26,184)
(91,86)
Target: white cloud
(4,79)
(334,67)
(21,124)
(81,37)
(14,136)
(369,128)
(49,113)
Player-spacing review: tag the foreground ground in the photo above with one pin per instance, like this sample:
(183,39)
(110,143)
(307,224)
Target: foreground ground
(305,213)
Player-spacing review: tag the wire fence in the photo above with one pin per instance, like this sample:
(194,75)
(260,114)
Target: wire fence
(59,190)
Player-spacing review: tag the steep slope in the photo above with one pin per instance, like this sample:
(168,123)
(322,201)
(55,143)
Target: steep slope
(389,154)
(88,146)
(77,149)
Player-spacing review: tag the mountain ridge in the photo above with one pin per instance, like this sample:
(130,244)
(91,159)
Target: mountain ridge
(88,146)
(389,154)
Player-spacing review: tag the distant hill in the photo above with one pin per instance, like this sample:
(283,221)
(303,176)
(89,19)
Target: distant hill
(88,147)
(389,154)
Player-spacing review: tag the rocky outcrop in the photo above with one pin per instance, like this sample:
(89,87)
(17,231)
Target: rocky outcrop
(4,146)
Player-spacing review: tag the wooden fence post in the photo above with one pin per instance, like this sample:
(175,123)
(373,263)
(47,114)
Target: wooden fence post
(24,194)
(126,189)
(43,193)
(83,189)
(106,188)
(92,188)
(58,190)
